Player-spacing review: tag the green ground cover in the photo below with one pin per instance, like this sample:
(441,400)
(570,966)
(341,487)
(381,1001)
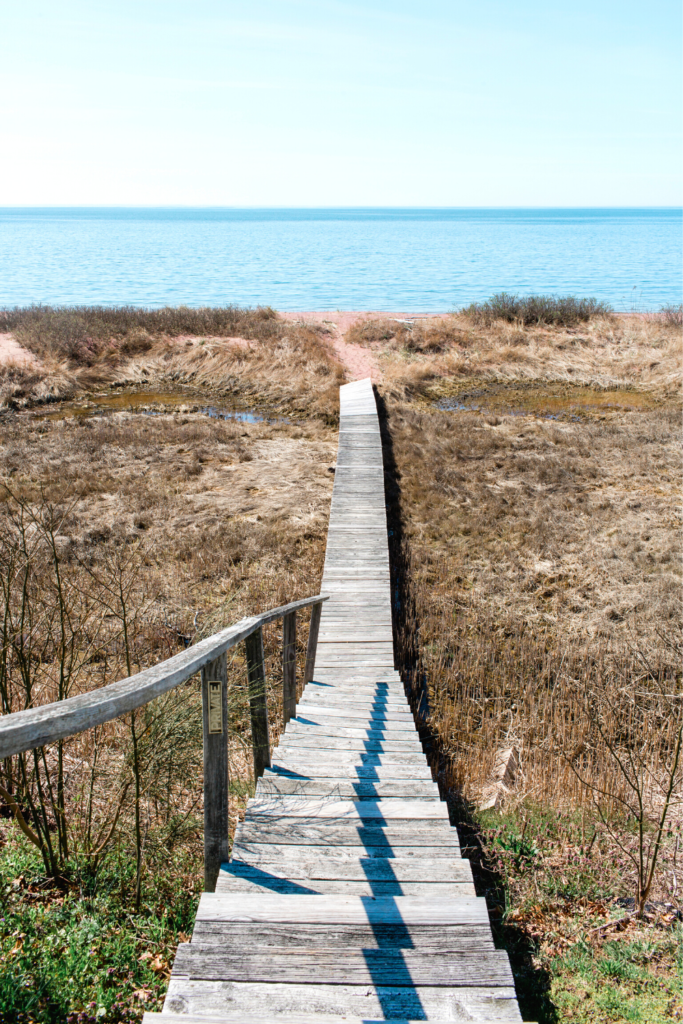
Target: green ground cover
(76,952)
(558,888)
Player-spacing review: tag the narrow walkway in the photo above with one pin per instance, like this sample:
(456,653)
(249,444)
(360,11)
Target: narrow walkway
(346,897)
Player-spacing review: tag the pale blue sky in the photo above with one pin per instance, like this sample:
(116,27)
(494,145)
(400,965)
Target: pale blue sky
(301,103)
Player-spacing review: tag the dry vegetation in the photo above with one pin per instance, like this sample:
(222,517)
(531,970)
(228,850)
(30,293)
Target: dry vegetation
(534,477)
(197,517)
(436,358)
(252,356)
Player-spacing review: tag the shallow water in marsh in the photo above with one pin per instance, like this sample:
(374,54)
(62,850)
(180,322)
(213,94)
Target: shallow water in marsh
(547,401)
(152,403)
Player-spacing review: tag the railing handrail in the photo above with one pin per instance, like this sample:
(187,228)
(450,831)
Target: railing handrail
(34,727)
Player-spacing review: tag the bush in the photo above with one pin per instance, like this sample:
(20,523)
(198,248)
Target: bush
(672,315)
(83,335)
(536,309)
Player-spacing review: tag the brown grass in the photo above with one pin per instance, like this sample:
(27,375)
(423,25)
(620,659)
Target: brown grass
(434,358)
(210,528)
(536,550)
(251,355)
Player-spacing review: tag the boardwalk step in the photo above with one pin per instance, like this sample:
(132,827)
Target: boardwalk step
(341,810)
(356,868)
(404,910)
(326,736)
(367,1001)
(299,1018)
(296,767)
(360,790)
(303,936)
(330,886)
(445,851)
(400,968)
(291,854)
(305,745)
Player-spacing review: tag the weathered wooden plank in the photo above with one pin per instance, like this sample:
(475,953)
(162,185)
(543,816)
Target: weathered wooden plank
(358,869)
(346,789)
(367,727)
(295,741)
(289,666)
(450,1004)
(305,710)
(353,763)
(258,707)
(313,832)
(312,645)
(215,731)
(391,728)
(406,967)
(365,699)
(379,705)
(415,761)
(445,852)
(311,768)
(298,1018)
(436,940)
(326,887)
(341,810)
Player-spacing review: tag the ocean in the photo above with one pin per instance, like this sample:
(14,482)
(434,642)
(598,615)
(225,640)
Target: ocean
(417,260)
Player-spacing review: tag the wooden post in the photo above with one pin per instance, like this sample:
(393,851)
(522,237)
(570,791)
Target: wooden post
(215,722)
(289,666)
(260,735)
(313,631)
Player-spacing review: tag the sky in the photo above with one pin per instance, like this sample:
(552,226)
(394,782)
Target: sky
(327,103)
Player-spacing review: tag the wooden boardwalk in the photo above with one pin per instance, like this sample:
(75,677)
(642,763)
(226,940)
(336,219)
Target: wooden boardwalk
(346,897)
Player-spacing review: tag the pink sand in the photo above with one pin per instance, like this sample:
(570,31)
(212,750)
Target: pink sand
(358,360)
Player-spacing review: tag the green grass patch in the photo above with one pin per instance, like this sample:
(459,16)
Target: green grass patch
(635,980)
(78,953)
(552,882)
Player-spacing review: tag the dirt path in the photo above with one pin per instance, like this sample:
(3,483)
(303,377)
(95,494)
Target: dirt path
(11,352)
(359,361)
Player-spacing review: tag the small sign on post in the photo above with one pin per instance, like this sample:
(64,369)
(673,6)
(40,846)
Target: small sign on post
(215,707)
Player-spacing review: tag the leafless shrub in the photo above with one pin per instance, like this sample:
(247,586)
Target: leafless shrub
(672,315)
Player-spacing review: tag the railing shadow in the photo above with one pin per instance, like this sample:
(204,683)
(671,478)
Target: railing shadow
(398,937)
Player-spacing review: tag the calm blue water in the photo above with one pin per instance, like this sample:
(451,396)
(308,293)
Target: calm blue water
(417,260)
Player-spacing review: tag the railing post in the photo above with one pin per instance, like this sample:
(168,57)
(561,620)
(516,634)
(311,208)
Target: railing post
(313,631)
(258,706)
(215,722)
(289,666)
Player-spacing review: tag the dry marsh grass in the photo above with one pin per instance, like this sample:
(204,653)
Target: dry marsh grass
(559,311)
(536,562)
(251,355)
(563,531)
(205,526)
(434,358)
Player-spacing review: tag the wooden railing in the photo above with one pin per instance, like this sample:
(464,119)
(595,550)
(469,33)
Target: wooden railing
(34,727)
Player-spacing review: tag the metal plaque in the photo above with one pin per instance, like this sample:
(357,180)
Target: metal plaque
(215,706)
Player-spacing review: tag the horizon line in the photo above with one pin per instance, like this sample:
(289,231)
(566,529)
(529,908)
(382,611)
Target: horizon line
(187,206)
